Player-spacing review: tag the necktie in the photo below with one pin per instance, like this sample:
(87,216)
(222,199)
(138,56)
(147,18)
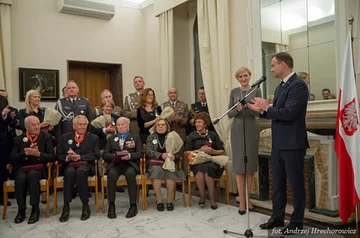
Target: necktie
(73,102)
(173,104)
(282,83)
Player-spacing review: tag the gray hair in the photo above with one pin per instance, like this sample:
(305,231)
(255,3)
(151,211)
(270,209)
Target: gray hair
(125,119)
(103,91)
(75,120)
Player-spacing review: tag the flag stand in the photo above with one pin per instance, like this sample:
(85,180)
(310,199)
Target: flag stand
(357,219)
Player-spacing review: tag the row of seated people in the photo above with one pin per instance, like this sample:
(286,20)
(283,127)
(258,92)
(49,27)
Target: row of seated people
(76,152)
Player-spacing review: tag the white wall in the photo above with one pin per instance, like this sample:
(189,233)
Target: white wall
(44,38)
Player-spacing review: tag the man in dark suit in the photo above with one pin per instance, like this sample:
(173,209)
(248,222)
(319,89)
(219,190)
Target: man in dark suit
(14,115)
(77,152)
(5,143)
(31,153)
(130,147)
(289,141)
(200,106)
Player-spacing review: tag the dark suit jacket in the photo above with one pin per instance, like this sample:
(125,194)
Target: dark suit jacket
(112,146)
(99,132)
(288,115)
(5,136)
(15,122)
(88,150)
(45,145)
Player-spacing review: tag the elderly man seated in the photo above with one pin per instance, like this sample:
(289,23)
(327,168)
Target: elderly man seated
(77,152)
(122,155)
(31,152)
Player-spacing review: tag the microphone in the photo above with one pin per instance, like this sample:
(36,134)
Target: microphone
(259,81)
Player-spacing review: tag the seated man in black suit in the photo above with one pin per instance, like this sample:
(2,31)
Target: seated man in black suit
(122,155)
(31,152)
(289,141)
(77,152)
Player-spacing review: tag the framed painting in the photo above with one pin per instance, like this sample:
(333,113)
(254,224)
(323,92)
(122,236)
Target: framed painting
(46,81)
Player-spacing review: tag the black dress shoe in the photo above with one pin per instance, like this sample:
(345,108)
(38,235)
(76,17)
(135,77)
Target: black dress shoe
(132,211)
(20,217)
(85,213)
(214,207)
(169,206)
(120,190)
(160,207)
(271,224)
(292,229)
(64,216)
(111,211)
(2,203)
(34,217)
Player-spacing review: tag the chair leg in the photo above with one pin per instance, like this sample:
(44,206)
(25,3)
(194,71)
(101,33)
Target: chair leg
(137,193)
(102,196)
(5,201)
(96,197)
(55,198)
(183,193)
(47,199)
(189,190)
(144,196)
(227,191)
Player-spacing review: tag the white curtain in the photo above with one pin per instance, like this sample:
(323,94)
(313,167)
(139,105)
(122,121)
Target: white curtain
(214,46)
(167,51)
(5,47)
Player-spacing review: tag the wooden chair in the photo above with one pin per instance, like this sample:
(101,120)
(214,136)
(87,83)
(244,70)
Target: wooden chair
(191,179)
(9,187)
(147,181)
(59,183)
(120,182)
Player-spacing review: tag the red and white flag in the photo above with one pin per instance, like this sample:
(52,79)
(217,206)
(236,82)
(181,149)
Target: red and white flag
(347,139)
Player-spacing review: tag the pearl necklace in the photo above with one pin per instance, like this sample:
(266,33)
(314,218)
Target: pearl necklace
(205,135)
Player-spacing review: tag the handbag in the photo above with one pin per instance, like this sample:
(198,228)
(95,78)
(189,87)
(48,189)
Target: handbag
(154,161)
(78,164)
(28,168)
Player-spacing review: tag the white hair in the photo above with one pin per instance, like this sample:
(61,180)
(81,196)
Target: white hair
(75,120)
(125,119)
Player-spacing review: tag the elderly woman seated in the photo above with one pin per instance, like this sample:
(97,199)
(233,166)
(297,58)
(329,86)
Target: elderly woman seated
(208,142)
(122,154)
(157,153)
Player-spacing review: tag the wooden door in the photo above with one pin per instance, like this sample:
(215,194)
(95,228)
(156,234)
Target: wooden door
(91,82)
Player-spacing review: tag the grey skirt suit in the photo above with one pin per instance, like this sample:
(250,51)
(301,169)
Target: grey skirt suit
(252,131)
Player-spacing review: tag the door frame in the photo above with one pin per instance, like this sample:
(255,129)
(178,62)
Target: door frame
(115,80)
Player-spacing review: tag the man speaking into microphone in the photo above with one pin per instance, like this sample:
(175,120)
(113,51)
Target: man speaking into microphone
(289,141)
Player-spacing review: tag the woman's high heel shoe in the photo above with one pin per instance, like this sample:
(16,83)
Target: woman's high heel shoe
(242,212)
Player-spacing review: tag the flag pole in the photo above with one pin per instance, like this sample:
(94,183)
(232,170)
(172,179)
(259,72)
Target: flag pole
(351,21)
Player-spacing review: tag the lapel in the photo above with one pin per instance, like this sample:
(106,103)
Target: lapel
(281,89)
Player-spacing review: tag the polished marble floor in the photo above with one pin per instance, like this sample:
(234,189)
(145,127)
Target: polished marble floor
(182,222)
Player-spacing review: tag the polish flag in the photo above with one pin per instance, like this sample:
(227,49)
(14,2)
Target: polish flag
(347,138)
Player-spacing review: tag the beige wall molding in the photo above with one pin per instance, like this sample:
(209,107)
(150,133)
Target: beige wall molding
(9,2)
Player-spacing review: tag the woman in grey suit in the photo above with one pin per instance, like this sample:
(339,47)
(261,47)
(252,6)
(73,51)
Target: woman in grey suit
(240,113)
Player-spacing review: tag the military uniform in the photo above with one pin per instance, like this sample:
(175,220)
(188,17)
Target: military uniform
(181,109)
(69,111)
(98,111)
(194,110)
(131,104)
